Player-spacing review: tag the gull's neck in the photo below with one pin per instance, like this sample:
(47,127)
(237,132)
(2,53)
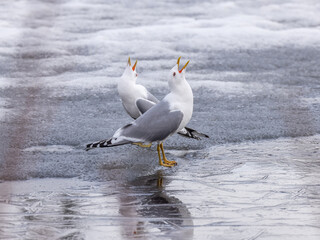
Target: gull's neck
(181,89)
(127,79)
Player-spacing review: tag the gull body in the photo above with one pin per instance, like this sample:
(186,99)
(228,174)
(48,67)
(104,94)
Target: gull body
(161,121)
(130,92)
(181,97)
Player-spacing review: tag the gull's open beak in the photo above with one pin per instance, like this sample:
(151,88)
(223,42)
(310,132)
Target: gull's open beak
(184,66)
(134,66)
(129,62)
(178,62)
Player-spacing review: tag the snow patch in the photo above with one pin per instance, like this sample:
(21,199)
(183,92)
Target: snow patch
(51,149)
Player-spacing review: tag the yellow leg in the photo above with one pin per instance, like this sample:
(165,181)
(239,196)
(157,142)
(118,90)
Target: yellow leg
(160,161)
(143,145)
(164,157)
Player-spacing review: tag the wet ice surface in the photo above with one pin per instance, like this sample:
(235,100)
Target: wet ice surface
(262,190)
(255,75)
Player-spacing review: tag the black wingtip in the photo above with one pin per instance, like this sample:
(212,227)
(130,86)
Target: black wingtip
(88,147)
(195,134)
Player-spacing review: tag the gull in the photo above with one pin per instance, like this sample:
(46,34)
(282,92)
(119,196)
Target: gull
(130,93)
(162,120)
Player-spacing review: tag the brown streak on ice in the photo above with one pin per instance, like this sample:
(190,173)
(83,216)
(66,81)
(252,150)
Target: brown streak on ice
(25,98)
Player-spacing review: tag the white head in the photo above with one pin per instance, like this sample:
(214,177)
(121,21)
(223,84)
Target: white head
(177,76)
(130,72)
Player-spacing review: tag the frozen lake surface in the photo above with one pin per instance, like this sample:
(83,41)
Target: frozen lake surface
(255,75)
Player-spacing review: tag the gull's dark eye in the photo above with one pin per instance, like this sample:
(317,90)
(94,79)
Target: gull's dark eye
(136,74)
(174,73)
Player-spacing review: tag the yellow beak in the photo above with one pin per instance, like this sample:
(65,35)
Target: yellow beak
(134,66)
(184,67)
(178,62)
(129,62)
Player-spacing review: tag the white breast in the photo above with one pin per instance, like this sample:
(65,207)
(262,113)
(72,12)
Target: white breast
(182,100)
(129,93)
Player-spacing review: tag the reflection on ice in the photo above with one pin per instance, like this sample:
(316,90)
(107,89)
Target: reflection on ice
(71,208)
(266,189)
(152,211)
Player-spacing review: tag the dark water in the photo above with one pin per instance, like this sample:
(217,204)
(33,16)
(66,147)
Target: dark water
(256,82)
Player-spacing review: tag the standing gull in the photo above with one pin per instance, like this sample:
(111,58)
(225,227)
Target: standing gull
(130,93)
(161,121)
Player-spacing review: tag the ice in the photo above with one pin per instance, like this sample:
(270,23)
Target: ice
(261,189)
(254,71)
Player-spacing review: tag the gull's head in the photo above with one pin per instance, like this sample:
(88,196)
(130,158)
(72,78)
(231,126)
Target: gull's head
(130,71)
(178,75)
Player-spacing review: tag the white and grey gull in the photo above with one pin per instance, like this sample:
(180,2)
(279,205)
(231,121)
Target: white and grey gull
(165,118)
(130,92)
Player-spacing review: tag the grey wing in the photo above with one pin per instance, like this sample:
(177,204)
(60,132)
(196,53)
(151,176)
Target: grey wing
(155,125)
(129,113)
(152,98)
(144,105)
